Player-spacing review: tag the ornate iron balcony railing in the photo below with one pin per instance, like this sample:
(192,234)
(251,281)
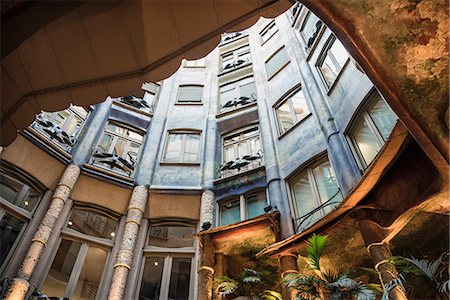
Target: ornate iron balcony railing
(53,132)
(241,164)
(237,102)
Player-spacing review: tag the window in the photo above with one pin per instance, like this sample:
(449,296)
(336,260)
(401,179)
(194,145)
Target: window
(310,30)
(242,208)
(276,62)
(237,94)
(241,151)
(315,192)
(118,148)
(268,32)
(372,129)
(76,271)
(228,37)
(182,147)
(291,111)
(190,94)
(332,61)
(168,270)
(61,127)
(198,63)
(18,201)
(235,58)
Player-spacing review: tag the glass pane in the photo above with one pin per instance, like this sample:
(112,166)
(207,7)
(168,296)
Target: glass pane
(256,204)
(243,148)
(190,94)
(192,148)
(151,279)
(248,89)
(311,29)
(366,142)
(58,276)
(255,145)
(227,93)
(79,110)
(73,126)
(285,117)
(18,193)
(91,273)
(383,117)
(327,185)
(340,55)
(227,61)
(116,129)
(230,213)
(134,136)
(91,223)
(329,70)
(276,62)
(9,231)
(119,148)
(304,199)
(229,154)
(60,118)
(173,147)
(133,150)
(300,107)
(179,278)
(149,98)
(103,145)
(171,236)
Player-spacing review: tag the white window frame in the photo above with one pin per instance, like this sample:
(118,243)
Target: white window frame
(305,39)
(288,99)
(169,254)
(236,54)
(86,241)
(267,31)
(237,92)
(270,76)
(363,115)
(243,210)
(184,132)
(313,186)
(192,101)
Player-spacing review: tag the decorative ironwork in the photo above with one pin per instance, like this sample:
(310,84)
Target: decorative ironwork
(38,295)
(236,63)
(244,162)
(241,101)
(391,285)
(314,35)
(115,161)
(308,216)
(137,103)
(54,132)
(232,36)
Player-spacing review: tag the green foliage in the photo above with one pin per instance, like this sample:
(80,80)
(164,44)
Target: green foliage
(270,295)
(225,285)
(424,277)
(336,286)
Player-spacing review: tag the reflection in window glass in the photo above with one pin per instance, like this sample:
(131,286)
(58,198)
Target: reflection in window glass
(91,273)
(276,62)
(171,236)
(179,278)
(333,62)
(10,228)
(152,278)
(91,223)
(366,141)
(18,193)
(256,204)
(58,277)
(326,185)
(383,117)
(182,148)
(230,213)
(291,111)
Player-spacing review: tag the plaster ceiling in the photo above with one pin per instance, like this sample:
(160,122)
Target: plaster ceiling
(83,52)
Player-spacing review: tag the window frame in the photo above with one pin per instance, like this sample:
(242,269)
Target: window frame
(243,206)
(235,55)
(86,241)
(362,115)
(320,31)
(321,59)
(236,84)
(190,102)
(265,30)
(308,168)
(181,161)
(113,142)
(288,98)
(282,48)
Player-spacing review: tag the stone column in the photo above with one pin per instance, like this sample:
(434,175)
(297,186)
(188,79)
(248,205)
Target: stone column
(288,265)
(206,251)
(19,285)
(379,251)
(136,210)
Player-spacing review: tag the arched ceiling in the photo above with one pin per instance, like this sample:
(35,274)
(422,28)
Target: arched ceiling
(55,54)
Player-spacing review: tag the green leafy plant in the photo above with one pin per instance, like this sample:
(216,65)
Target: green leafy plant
(333,286)
(425,278)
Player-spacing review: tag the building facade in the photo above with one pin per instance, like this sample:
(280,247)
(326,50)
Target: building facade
(277,125)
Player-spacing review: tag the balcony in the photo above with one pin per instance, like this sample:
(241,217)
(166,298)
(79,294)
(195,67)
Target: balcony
(237,103)
(241,164)
(230,37)
(138,103)
(54,133)
(236,64)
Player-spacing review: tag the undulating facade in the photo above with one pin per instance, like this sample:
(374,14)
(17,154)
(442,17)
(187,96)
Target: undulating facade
(275,135)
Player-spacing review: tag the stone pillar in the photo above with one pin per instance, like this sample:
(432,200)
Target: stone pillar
(206,251)
(136,210)
(19,285)
(379,251)
(288,265)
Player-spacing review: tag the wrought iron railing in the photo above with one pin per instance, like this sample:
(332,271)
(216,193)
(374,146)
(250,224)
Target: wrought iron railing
(306,220)
(241,164)
(237,102)
(53,132)
(138,103)
(234,64)
(114,162)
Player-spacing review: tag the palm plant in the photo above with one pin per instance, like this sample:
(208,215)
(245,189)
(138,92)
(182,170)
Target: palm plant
(248,283)
(321,284)
(425,278)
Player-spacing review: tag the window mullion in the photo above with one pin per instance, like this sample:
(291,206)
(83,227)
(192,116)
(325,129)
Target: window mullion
(242,207)
(183,147)
(73,279)
(165,280)
(374,129)
(113,144)
(292,111)
(314,188)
